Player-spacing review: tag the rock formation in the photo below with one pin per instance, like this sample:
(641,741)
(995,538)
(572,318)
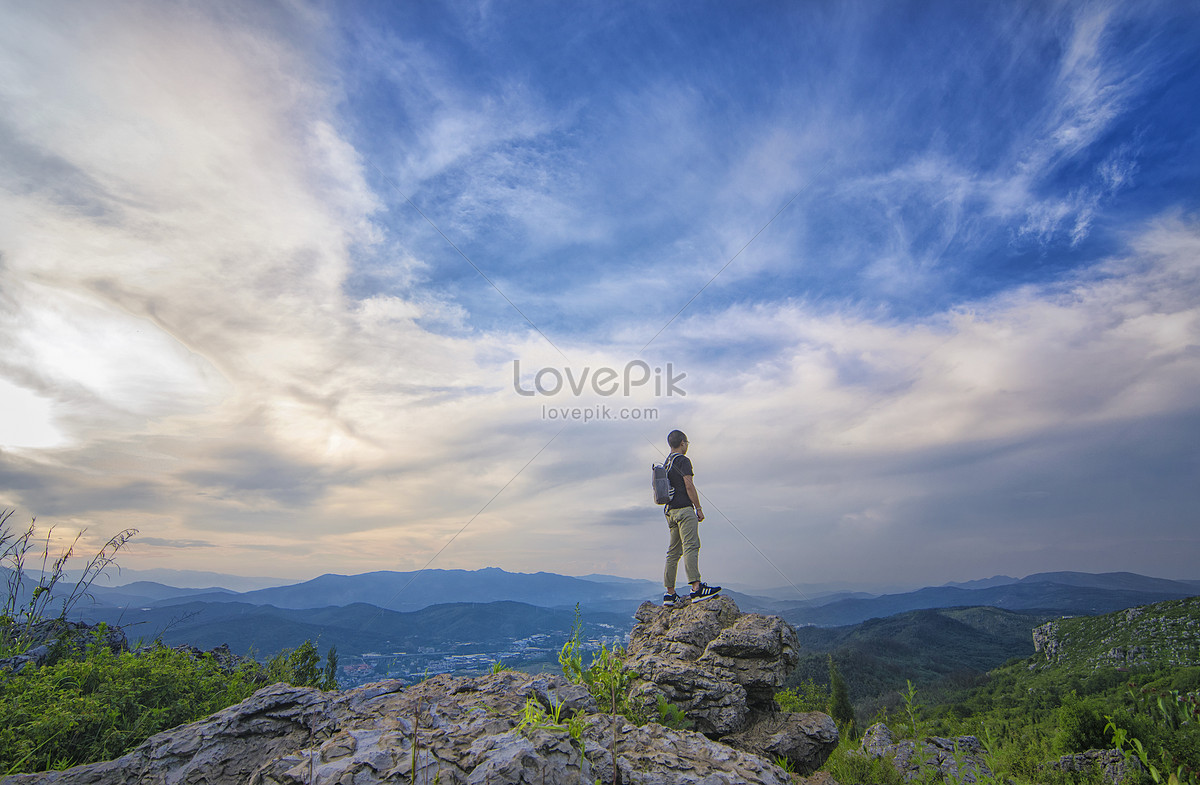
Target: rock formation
(722,668)
(1166,634)
(508,727)
(448,730)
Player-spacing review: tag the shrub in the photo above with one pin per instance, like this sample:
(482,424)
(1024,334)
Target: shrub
(102,705)
(1080,725)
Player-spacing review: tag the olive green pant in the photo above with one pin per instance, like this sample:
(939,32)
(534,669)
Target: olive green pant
(685,542)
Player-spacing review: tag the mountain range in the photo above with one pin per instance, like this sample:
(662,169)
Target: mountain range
(1055,593)
(1065,592)
(398,609)
(354,628)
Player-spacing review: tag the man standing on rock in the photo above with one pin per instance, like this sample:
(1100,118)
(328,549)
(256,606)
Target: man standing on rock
(683,520)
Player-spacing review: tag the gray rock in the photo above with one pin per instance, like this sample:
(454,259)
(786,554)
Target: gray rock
(455,731)
(722,667)
(758,652)
(959,759)
(694,655)
(716,706)
(1111,764)
(806,739)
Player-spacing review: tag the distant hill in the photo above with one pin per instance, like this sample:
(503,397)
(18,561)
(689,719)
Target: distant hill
(932,647)
(148,592)
(188,579)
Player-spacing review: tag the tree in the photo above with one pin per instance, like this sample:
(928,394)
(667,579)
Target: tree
(330,681)
(840,707)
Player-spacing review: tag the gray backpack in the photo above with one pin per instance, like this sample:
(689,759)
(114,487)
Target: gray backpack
(663,492)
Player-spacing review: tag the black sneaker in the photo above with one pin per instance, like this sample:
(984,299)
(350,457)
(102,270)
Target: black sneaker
(669,600)
(704,592)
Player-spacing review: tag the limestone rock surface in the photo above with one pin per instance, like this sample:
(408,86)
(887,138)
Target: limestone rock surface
(455,731)
(805,739)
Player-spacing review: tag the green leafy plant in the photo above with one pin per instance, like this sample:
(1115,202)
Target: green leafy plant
(300,667)
(911,706)
(1163,770)
(535,716)
(606,677)
(806,696)
(671,716)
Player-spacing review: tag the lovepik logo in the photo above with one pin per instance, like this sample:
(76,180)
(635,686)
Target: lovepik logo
(604,380)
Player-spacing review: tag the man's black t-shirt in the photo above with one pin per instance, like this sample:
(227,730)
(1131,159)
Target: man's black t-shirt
(681,467)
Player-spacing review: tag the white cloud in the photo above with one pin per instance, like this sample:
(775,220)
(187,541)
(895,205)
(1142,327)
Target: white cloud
(184,213)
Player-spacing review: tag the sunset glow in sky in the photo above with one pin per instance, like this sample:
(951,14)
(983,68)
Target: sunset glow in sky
(296,288)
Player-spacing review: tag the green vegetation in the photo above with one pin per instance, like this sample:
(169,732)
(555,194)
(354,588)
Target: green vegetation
(88,702)
(1128,680)
(102,704)
(835,701)
(939,650)
(839,702)
(607,678)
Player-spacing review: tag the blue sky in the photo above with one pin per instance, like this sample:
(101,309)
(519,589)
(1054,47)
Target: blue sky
(931,271)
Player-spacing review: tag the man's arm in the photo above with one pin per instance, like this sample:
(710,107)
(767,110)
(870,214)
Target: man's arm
(694,495)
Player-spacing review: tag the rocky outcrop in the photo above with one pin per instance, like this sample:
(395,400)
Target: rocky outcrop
(1111,765)
(722,667)
(805,739)
(1045,640)
(455,731)
(1163,635)
(954,760)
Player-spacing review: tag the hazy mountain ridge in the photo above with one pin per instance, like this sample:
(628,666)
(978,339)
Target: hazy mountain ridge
(1082,594)
(407,591)
(1058,593)
(352,628)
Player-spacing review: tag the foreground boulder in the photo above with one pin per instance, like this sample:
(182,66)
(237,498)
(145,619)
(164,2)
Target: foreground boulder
(454,731)
(722,667)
